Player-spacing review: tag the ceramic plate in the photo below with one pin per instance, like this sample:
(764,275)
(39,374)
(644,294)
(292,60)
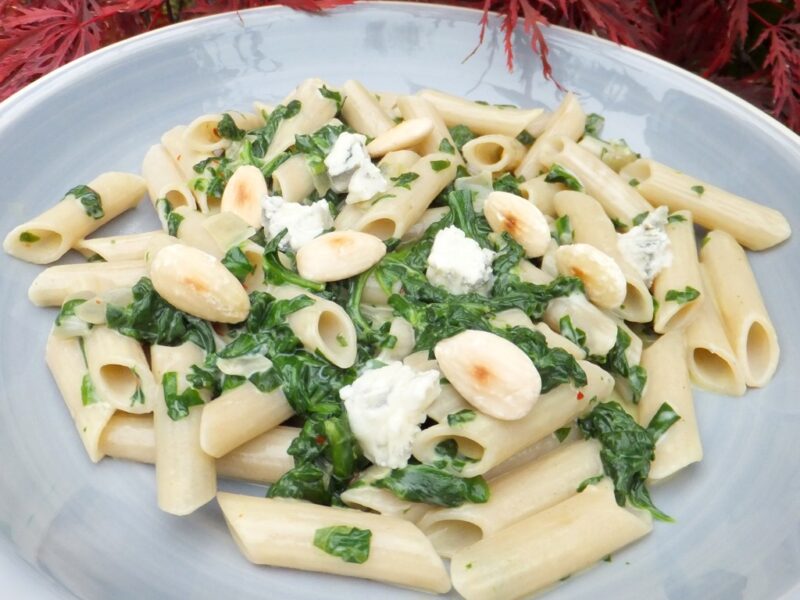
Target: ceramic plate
(72,529)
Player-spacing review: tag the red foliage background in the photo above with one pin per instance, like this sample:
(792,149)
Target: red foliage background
(750,47)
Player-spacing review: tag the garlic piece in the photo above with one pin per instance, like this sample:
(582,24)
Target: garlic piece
(491,373)
(197,283)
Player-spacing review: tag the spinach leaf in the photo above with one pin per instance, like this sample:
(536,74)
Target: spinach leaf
(423,483)
(698,189)
(318,145)
(89,199)
(594,125)
(88,392)
(275,272)
(461,134)
(332,95)
(227,128)
(507,183)
(561,433)
(305,482)
(446,147)
(68,309)
(28,238)
(682,297)
(676,219)
(150,319)
(449,458)
(639,219)
(178,404)
(235,260)
(617,363)
(664,418)
(589,481)
(404,179)
(439,165)
(174,221)
(351,544)
(558,174)
(564,234)
(263,136)
(576,335)
(627,451)
(459,418)
(525,138)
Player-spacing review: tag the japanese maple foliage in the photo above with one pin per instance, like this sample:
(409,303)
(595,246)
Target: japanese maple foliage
(750,47)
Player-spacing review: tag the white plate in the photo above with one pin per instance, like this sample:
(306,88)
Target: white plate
(95,531)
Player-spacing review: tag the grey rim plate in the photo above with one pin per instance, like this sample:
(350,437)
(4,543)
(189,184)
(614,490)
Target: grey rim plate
(95,531)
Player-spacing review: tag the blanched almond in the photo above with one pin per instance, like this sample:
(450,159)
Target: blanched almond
(338,255)
(243,194)
(602,277)
(521,219)
(490,372)
(197,283)
(406,134)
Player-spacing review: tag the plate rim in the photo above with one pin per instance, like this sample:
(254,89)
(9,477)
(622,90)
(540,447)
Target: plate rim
(33,89)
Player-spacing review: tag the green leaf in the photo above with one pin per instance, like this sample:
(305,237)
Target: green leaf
(138,396)
(626,454)
(461,134)
(236,262)
(28,237)
(262,137)
(174,221)
(95,258)
(348,543)
(664,418)
(619,225)
(446,147)
(594,125)
(88,392)
(459,418)
(449,458)
(561,433)
(275,272)
(639,219)
(227,128)
(439,165)
(676,219)
(318,145)
(332,95)
(304,482)
(89,199)
(698,189)
(633,182)
(617,363)
(507,183)
(178,404)
(564,234)
(682,297)
(423,483)
(589,481)
(558,174)
(68,309)
(404,179)
(524,137)
(568,330)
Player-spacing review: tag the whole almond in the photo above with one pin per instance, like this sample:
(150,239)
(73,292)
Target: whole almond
(339,255)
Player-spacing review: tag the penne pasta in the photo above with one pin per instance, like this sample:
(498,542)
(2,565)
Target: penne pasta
(164,180)
(417,107)
(293,179)
(55,284)
(494,153)
(117,248)
(362,111)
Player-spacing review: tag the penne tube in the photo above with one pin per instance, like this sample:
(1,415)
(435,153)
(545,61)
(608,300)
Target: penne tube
(556,340)
(677,288)
(202,134)
(428,218)
(541,193)
(323,327)
(494,153)
(164,180)
(710,358)
(514,496)
(119,370)
(89,411)
(619,200)
(448,402)
(568,120)
(483,119)
(753,225)
(238,416)
(186,158)
(191,230)
(48,236)
(315,111)
(388,101)
(115,248)
(533,452)
(363,496)
(590,225)
(393,214)
(668,381)
(186,476)
(488,441)
(393,164)
(55,284)
(293,180)
(600,329)
(398,552)
(262,110)
(741,306)
(548,546)
(362,111)
(416,107)
(261,460)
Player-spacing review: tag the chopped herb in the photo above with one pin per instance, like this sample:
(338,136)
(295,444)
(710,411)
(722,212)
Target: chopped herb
(227,128)
(682,297)
(627,450)
(318,145)
(275,272)
(404,179)
(561,433)
(639,219)
(564,234)
(439,165)
(446,147)
(664,418)
(461,417)
(594,125)
(379,197)
(138,396)
(698,189)
(607,558)
(68,309)
(28,237)
(351,544)
(262,137)
(88,392)
(468,566)
(95,258)
(90,200)
(589,481)
(558,174)
(449,457)
(676,219)
(174,221)
(178,404)
(423,483)
(574,334)
(619,225)
(236,262)
(331,95)
(633,182)
(506,183)
(340,339)
(461,134)
(524,137)
(617,363)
